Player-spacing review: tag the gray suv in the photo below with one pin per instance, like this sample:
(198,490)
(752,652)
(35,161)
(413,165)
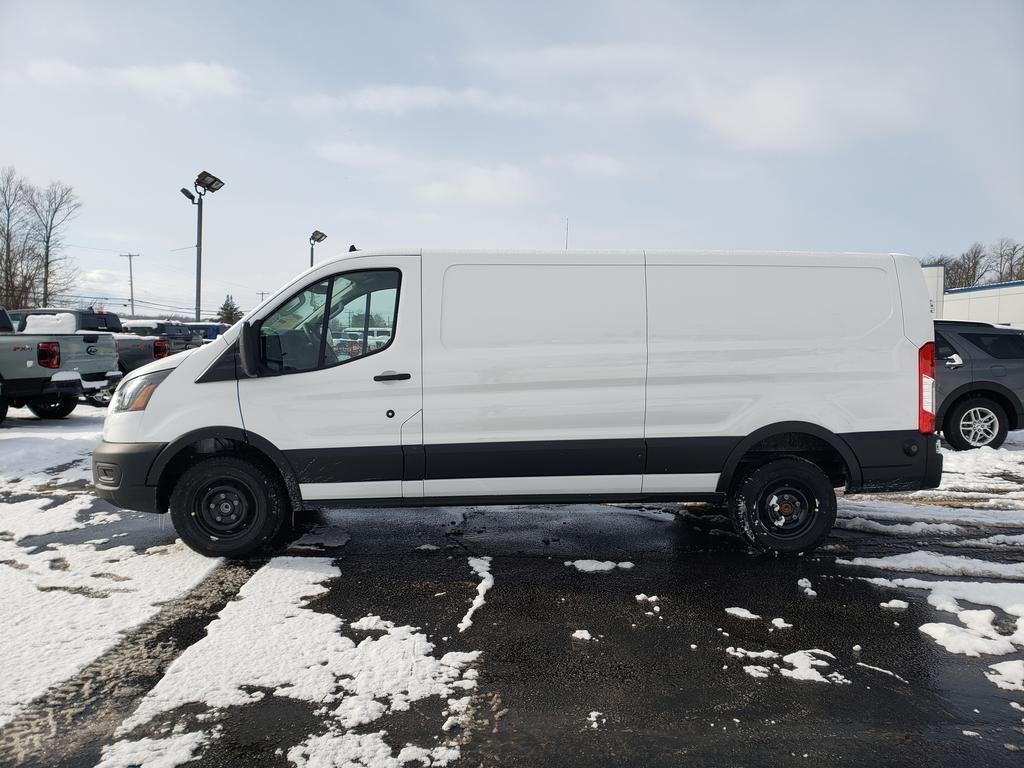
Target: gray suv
(979,381)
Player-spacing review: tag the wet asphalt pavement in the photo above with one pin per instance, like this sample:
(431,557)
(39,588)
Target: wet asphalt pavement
(662,702)
(652,687)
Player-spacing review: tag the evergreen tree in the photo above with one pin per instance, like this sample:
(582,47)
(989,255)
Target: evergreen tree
(229,312)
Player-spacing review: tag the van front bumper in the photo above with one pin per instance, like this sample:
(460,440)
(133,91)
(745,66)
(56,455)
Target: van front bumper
(119,473)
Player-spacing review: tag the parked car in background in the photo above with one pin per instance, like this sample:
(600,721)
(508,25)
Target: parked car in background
(505,381)
(979,382)
(207,331)
(133,351)
(177,335)
(48,365)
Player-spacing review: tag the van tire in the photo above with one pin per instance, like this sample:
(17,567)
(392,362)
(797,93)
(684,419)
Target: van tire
(794,484)
(60,409)
(208,494)
(957,433)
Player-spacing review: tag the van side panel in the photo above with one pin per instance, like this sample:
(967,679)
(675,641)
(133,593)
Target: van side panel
(544,352)
(738,343)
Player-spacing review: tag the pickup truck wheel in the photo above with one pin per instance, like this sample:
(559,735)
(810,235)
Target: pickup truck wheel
(976,422)
(785,507)
(60,409)
(227,507)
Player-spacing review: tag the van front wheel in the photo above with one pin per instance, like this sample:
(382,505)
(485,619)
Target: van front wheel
(786,506)
(227,507)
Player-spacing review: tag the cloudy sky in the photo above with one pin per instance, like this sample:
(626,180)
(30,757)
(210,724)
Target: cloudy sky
(881,126)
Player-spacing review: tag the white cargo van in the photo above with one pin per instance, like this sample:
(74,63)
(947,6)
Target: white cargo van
(762,379)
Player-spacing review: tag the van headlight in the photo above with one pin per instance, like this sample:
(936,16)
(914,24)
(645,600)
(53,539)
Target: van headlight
(134,394)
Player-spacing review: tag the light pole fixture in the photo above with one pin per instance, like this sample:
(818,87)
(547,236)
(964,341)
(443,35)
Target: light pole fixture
(316,237)
(205,182)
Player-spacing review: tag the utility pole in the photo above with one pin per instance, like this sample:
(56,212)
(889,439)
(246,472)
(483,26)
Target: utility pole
(131,277)
(567,233)
(262,294)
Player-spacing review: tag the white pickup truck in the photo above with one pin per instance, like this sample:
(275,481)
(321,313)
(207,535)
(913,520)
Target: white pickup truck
(49,365)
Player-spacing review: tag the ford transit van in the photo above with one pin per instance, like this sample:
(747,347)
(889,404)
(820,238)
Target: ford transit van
(761,380)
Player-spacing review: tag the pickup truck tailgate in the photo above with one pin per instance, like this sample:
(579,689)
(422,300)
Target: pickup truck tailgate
(87,353)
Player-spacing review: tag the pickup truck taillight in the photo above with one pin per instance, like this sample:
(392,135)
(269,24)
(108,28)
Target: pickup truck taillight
(161,348)
(926,388)
(48,354)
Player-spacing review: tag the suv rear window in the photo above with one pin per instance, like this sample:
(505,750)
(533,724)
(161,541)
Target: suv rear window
(1003,346)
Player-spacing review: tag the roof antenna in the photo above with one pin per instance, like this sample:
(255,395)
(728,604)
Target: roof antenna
(352,248)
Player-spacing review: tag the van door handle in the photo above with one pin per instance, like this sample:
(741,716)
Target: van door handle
(392,376)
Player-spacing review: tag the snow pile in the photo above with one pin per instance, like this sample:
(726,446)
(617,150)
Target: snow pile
(594,717)
(582,634)
(999,541)
(895,605)
(596,566)
(805,666)
(72,602)
(482,567)
(1008,675)
(30,449)
(742,653)
(642,598)
(154,753)
(897,512)
(897,529)
(941,565)
(269,638)
(781,624)
(742,613)
(805,585)
(48,325)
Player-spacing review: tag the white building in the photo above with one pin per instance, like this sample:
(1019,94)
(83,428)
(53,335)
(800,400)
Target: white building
(999,303)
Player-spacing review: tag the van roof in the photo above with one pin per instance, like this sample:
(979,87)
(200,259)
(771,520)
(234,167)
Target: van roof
(563,256)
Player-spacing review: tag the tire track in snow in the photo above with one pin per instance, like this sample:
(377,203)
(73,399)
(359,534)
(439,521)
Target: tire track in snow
(71,722)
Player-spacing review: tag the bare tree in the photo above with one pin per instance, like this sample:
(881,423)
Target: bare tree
(966,270)
(1007,258)
(14,225)
(52,209)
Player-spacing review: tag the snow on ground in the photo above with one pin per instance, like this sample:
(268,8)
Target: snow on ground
(482,567)
(66,604)
(742,613)
(597,566)
(941,565)
(1008,675)
(269,638)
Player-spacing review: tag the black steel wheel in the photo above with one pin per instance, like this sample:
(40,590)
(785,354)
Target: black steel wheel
(225,506)
(786,506)
(58,409)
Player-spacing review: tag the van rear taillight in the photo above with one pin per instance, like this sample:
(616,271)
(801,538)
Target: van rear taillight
(161,348)
(926,388)
(48,354)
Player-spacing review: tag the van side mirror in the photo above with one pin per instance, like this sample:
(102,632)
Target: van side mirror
(248,350)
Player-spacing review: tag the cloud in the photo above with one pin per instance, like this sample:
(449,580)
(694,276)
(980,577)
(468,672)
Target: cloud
(399,99)
(171,85)
(589,164)
(755,102)
(439,180)
(367,156)
(490,185)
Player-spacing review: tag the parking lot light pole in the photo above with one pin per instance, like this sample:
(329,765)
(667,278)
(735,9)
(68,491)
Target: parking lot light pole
(205,182)
(316,237)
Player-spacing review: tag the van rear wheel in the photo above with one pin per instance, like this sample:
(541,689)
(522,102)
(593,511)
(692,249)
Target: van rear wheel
(785,507)
(227,507)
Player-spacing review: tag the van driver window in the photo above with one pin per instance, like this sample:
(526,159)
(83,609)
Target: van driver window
(357,309)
